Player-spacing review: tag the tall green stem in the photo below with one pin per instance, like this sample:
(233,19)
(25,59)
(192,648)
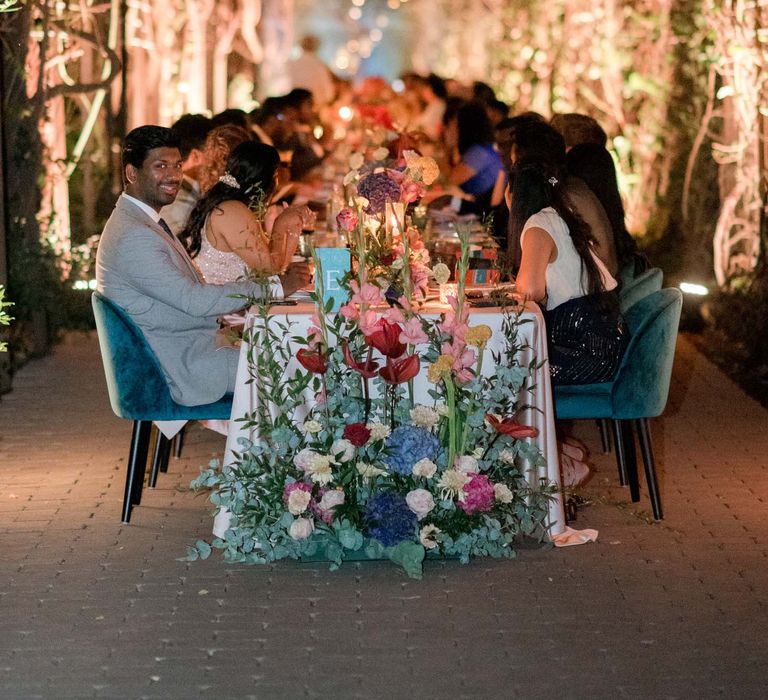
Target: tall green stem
(450,394)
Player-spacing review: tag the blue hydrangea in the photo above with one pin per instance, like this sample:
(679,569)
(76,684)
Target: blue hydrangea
(389,519)
(408,444)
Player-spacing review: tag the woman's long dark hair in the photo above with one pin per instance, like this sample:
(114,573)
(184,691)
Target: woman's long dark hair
(474,126)
(535,186)
(253,165)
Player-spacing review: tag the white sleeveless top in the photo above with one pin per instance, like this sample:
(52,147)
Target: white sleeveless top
(218,266)
(565,278)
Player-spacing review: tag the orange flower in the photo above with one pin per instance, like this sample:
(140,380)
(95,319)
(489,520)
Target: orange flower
(510,427)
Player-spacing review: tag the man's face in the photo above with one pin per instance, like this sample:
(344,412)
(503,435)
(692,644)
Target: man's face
(157,181)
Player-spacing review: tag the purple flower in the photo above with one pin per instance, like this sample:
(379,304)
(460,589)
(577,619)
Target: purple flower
(378,189)
(389,519)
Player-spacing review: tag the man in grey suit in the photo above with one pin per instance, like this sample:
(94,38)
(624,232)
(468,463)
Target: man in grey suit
(144,269)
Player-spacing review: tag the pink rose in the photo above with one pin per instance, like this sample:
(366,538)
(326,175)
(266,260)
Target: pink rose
(301,528)
(411,191)
(421,502)
(347,219)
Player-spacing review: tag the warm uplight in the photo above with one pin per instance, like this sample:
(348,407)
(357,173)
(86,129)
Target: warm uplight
(346,113)
(698,290)
(84,284)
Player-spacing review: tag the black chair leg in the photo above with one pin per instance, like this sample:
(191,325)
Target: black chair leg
(178,443)
(620,460)
(605,435)
(159,458)
(646,448)
(137,465)
(630,459)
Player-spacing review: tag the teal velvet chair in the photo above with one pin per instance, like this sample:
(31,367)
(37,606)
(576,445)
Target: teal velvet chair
(638,392)
(138,391)
(640,287)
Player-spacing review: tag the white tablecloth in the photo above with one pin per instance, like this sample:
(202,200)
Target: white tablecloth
(531,334)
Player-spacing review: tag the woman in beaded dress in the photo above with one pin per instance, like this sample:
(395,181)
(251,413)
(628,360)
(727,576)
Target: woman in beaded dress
(232,229)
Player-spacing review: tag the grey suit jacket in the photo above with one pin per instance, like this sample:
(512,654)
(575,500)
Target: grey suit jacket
(149,274)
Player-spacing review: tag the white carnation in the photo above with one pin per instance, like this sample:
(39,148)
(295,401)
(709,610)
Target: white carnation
(311,426)
(425,468)
(298,501)
(379,431)
(356,160)
(381,153)
(320,470)
(343,449)
(507,456)
(502,493)
(424,416)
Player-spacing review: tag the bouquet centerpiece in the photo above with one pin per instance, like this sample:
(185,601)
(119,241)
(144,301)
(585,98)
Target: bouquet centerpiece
(346,462)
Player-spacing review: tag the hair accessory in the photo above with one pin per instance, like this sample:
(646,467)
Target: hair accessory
(229,179)
(553,181)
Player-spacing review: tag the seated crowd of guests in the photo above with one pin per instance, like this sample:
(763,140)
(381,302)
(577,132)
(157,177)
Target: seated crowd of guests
(549,186)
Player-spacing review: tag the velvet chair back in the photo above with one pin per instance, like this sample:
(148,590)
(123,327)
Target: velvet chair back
(137,386)
(639,287)
(641,385)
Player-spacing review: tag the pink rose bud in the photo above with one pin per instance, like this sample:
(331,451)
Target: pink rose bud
(347,219)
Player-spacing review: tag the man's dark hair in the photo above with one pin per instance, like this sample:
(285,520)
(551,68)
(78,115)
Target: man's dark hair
(141,140)
(438,85)
(474,126)
(191,130)
(234,116)
(297,97)
(271,107)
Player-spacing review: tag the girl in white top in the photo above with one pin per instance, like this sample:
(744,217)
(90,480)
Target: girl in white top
(559,269)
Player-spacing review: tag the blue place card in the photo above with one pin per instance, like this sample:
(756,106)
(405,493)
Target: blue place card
(334,264)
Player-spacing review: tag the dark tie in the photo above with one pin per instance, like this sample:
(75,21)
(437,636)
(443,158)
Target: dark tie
(166,228)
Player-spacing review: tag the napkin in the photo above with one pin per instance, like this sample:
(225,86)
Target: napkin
(570,537)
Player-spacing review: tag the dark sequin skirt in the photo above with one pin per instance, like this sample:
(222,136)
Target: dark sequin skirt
(587,338)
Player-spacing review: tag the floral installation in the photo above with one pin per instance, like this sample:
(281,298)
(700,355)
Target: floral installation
(346,464)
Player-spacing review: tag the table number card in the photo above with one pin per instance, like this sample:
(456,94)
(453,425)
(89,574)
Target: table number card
(334,263)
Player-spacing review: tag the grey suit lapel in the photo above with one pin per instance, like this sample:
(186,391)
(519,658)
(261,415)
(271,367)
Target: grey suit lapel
(131,210)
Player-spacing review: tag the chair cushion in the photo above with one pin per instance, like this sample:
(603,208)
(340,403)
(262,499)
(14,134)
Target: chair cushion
(583,401)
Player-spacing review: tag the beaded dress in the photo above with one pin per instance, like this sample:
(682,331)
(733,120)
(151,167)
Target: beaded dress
(218,266)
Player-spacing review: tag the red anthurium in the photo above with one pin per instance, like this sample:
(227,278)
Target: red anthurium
(399,371)
(367,369)
(509,426)
(313,360)
(386,338)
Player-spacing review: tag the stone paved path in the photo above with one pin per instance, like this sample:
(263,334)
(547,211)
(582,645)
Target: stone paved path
(90,608)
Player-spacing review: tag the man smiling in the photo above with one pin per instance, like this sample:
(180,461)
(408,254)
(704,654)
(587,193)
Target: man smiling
(144,269)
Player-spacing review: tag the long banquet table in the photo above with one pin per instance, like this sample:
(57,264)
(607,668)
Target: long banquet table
(539,414)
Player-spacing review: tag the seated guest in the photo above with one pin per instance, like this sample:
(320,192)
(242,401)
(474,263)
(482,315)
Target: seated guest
(144,269)
(431,92)
(579,128)
(270,124)
(308,153)
(535,142)
(191,130)
(231,117)
(233,228)
(475,163)
(559,269)
(594,166)
(218,145)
